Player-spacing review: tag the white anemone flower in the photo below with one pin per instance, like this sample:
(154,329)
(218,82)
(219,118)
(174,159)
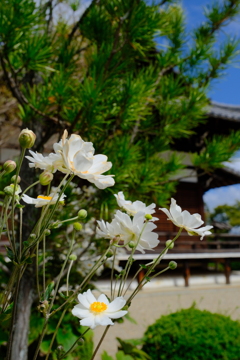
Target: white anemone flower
(42,200)
(94,312)
(185,220)
(49,163)
(136,232)
(134,207)
(78,158)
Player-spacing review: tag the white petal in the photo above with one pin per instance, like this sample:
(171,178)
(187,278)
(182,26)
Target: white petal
(116,304)
(117,314)
(103,298)
(88,321)
(80,313)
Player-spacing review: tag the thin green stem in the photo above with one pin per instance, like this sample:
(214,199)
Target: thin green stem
(68,273)
(44,265)
(41,338)
(100,342)
(152,266)
(55,333)
(74,344)
(37,273)
(20,232)
(87,278)
(112,272)
(9,347)
(28,188)
(13,200)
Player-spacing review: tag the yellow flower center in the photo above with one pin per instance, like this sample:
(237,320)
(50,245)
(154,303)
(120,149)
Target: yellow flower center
(44,197)
(98,306)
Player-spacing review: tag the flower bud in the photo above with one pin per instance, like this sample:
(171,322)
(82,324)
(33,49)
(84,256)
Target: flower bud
(131,245)
(82,214)
(172,265)
(9,166)
(109,253)
(26,138)
(45,178)
(9,190)
(148,217)
(14,178)
(77,226)
(47,232)
(55,225)
(73,257)
(33,236)
(60,352)
(169,244)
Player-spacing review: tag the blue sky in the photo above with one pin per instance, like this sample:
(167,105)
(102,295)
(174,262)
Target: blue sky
(225,90)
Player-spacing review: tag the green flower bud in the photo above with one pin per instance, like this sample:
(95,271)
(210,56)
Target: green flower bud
(45,178)
(131,245)
(172,265)
(109,254)
(26,138)
(82,214)
(169,244)
(55,225)
(33,236)
(77,226)
(14,178)
(9,190)
(47,232)
(73,257)
(148,217)
(9,166)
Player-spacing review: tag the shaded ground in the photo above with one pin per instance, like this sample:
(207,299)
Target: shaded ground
(157,300)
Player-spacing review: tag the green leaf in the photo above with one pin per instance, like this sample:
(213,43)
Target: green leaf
(105,356)
(48,290)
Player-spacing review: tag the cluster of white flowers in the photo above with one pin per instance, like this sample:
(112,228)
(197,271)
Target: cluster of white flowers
(135,232)
(132,229)
(75,156)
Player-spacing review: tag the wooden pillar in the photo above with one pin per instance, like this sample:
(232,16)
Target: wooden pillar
(227,270)
(186,273)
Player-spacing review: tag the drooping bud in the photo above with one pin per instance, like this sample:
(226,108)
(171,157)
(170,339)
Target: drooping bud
(77,226)
(9,166)
(55,225)
(47,232)
(148,217)
(26,138)
(82,214)
(172,265)
(73,257)
(14,178)
(45,178)
(169,244)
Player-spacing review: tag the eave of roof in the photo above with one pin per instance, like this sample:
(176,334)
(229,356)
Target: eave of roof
(224,111)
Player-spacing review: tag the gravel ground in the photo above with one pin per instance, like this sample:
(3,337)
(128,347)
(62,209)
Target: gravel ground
(151,303)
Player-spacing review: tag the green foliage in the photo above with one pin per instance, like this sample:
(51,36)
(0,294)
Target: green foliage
(228,214)
(125,76)
(68,333)
(192,334)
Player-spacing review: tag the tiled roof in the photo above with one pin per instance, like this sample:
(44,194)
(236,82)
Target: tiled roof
(224,111)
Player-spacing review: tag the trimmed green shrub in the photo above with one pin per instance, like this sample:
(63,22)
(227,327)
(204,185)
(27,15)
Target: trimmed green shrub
(193,334)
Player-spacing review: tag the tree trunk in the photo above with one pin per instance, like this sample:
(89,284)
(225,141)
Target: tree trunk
(26,294)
